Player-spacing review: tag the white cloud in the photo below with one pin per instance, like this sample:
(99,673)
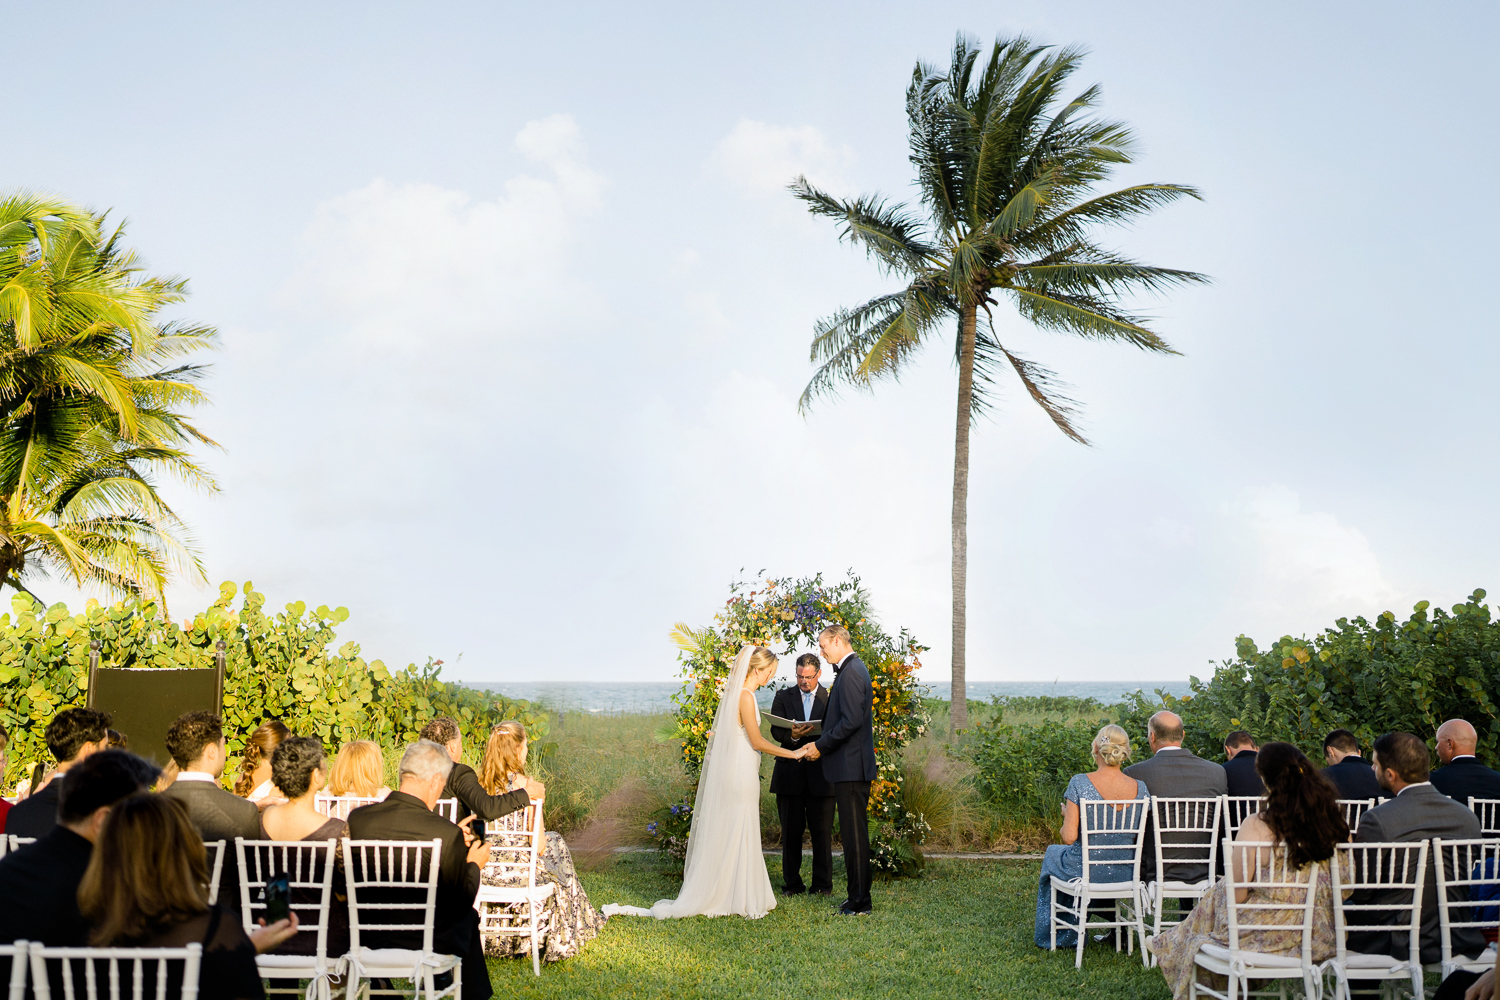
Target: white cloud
(763,159)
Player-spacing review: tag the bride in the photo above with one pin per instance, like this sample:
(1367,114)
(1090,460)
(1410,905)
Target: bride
(725,871)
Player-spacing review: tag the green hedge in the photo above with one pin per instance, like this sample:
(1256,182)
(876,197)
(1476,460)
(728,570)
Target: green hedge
(282,665)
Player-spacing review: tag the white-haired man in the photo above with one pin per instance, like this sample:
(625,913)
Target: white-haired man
(406,814)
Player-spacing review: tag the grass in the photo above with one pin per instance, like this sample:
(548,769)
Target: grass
(964,930)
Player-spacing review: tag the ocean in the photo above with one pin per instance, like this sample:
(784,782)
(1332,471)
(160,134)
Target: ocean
(650,698)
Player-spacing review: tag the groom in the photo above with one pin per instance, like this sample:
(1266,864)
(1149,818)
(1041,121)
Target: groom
(848,744)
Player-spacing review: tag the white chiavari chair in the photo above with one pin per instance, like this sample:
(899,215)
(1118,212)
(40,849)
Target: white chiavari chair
(510,902)
(1186,842)
(14,841)
(1263,867)
(1468,892)
(1353,809)
(308,866)
(340,806)
(1397,873)
(1236,808)
(1488,811)
(19,961)
(448,809)
(1111,834)
(146,972)
(392,888)
(215,851)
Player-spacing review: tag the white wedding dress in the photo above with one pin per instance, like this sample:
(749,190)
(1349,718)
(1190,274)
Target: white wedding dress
(725,871)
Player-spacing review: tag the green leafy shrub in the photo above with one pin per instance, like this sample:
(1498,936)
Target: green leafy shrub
(1367,677)
(1025,768)
(282,665)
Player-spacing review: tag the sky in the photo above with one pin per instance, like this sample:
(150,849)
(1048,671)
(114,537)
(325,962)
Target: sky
(515,313)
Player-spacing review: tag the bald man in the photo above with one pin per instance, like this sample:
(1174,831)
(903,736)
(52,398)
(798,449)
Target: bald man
(1462,776)
(1172,772)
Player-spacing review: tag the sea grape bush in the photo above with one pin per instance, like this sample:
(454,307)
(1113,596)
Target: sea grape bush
(283,665)
(1025,768)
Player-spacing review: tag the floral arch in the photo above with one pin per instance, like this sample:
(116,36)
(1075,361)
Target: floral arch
(783,614)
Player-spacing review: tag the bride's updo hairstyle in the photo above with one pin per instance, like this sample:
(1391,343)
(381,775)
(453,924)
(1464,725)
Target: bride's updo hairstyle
(761,659)
(1112,746)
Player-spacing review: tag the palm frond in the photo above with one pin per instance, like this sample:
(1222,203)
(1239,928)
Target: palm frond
(889,233)
(1086,316)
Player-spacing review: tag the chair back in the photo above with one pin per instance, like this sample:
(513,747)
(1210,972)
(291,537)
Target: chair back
(448,809)
(13,842)
(1395,870)
(215,851)
(392,888)
(340,806)
(1282,888)
(1353,809)
(1468,888)
(1488,811)
(516,840)
(1237,807)
(117,973)
(1111,834)
(17,953)
(1187,834)
(307,864)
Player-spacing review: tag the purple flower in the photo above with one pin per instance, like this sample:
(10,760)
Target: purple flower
(674,810)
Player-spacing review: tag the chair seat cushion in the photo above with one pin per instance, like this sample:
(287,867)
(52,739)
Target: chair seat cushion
(507,894)
(293,962)
(1220,955)
(1385,963)
(398,963)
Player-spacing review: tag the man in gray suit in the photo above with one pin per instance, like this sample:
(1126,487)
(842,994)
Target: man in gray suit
(1415,811)
(1174,773)
(196,743)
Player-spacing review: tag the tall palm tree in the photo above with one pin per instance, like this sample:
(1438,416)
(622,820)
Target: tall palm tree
(91,398)
(1007,167)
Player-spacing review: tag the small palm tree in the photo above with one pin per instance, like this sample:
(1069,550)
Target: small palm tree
(91,394)
(1007,167)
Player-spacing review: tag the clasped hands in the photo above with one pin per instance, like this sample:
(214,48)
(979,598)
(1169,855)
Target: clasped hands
(808,751)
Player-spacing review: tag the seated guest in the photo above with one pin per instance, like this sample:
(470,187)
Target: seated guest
(1301,814)
(72,736)
(463,783)
(147,887)
(358,770)
(1462,776)
(1415,811)
(196,742)
(39,882)
(1170,773)
(254,780)
(1239,768)
(572,920)
(297,768)
(1350,773)
(1111,749)
(406,814)
(118,740)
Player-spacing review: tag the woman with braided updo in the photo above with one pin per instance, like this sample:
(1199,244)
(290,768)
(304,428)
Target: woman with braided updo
(254,780)
(1110,750)
(1301,814)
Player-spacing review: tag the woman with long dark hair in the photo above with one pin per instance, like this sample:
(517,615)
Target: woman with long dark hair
(1300,814)
(254,780)
(147,887)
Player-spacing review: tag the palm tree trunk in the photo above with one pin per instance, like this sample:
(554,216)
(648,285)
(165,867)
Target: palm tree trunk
(959,705)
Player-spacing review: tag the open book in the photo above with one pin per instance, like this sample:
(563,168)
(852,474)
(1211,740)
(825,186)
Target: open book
(776,720)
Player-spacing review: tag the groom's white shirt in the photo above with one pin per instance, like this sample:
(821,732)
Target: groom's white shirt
(845,660)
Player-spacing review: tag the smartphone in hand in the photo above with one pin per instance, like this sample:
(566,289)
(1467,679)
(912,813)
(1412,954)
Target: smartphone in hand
(278,899)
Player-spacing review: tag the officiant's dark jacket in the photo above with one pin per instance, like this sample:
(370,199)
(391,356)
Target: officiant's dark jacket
(798,777)
(847,746)
(405,817)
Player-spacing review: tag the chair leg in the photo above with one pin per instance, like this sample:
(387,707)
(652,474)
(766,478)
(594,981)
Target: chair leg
(1082,902)
(1051,917)
(536,964)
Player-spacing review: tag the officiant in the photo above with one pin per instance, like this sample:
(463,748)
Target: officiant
(803,798)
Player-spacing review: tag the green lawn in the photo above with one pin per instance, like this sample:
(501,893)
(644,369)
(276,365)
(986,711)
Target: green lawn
(963,931)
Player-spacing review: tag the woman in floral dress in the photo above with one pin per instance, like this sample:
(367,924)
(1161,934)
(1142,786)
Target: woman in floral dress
(570,921)
(1302,816)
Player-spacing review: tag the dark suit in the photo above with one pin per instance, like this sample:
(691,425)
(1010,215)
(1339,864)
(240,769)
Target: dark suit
(1354,778)
(463,785)
(1240,776)
(803,796)
(1463,778)
(219,815)
(456,924)
(1420,812)
(847,750)
(39,892)
(36,816)
(1175,773)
